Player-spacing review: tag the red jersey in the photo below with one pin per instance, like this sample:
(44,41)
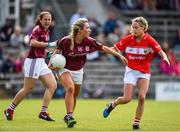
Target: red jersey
(76,58)
(139,54)
(39,34)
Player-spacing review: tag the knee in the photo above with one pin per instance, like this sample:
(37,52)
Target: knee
(25,90)
(141,98)
(127,100)
(70,90)
(53,86)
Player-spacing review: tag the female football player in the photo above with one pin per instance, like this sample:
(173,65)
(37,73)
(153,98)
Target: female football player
(75,47)
(139,48)
(36,68)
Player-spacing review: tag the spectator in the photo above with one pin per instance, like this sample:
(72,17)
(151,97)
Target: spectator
(94,25)
(115,3)
(176,4)
(163,4)
(123,5)
(112,39)
(16,39)
(176,43)
(1,61)
(1,53)
(115,36)
(133,4)
(149,5)
(19,62)
(102,38)
(95,28)
(164,67)
(6,30)
(127,31)
(111,23)
(8,64)
(77,15)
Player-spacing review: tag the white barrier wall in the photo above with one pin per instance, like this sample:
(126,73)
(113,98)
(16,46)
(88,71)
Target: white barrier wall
(165,91)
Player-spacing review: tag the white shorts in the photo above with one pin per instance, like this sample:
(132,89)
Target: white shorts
(132,76)
(35,68)
(77,76)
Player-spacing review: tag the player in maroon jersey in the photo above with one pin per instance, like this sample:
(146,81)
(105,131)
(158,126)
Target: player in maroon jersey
(75,47)
(36,68)
(139,48)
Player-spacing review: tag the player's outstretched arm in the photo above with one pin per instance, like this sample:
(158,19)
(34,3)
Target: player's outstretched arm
(164,56)
(113,51)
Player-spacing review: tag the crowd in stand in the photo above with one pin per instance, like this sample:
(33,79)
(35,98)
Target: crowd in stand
(11,37)
(110,32)
(114,29)
(146,5)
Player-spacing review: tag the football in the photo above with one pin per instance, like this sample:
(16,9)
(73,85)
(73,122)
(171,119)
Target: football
(58,61)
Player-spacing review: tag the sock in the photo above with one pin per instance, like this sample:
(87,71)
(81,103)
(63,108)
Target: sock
(136,121)
(44,109)
(70,114)
(113,104)
(110,107)
(12,106)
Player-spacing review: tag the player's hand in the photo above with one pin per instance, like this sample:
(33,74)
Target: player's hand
(52,44)
(123,59)
(167,61)
(50,66)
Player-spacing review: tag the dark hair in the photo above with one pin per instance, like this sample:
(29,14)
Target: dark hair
(40,16)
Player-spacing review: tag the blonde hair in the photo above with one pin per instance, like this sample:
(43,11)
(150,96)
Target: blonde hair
(76,27)
(142,22)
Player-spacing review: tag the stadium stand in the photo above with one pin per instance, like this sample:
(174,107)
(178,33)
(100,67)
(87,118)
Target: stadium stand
(100,74)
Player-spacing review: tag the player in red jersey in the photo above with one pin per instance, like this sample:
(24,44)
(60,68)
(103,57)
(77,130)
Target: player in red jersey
(75,47)
(36,68)
(139,48)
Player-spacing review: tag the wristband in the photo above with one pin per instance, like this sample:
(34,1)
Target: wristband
(52,44)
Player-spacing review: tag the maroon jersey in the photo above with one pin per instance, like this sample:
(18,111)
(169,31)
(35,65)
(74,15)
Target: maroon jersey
(39,34)
(76,58)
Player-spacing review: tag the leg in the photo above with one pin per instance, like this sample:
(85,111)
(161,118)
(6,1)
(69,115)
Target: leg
(143,85)
(68,84)
(49,82)
(76,93)
(29,83)
(128,92)
(51,85)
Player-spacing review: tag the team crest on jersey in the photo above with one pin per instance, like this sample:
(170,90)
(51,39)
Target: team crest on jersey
(138,50)
(80,49)
(87,48)
(147,51)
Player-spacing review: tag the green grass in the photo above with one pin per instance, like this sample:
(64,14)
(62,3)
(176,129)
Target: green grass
(158,116)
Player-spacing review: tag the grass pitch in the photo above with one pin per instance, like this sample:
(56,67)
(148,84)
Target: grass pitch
(158,116)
